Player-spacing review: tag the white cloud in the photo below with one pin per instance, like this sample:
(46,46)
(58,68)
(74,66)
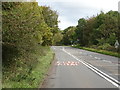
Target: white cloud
(103,4)
(72,10)
(65,23)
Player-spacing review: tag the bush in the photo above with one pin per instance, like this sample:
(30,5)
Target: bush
(94,46)
(24,31)
(106,46)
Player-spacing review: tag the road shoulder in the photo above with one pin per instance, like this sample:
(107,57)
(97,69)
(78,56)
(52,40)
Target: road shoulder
(51,71)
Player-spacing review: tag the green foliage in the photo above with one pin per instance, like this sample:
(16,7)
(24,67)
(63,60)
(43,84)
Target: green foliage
(25,30)
(101,30)
(99,51)
(32,76)
(80,29)
(57,38)
(68,35)
(105,46)
(50,17)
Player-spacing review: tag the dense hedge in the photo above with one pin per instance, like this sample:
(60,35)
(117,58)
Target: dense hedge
(24,32)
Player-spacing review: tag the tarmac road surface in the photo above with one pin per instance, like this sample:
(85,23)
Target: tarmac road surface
(77,68)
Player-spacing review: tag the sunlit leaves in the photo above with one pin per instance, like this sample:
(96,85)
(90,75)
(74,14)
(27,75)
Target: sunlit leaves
(24,29)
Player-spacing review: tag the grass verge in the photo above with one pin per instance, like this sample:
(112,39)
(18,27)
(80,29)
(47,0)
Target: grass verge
(35,77)
(99,51)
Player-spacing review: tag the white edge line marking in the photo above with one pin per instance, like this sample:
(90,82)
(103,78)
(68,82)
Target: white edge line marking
(93,69)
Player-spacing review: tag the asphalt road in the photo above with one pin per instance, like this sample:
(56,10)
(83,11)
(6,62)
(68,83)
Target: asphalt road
(76,68)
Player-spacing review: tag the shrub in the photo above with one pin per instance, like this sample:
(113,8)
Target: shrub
(106,46)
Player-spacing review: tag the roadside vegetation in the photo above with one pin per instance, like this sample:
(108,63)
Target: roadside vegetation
(27,30)
(111,53)
(97,33)
(28,74)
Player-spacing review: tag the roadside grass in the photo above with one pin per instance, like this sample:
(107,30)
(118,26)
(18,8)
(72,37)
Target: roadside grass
(35,77)
(98,51)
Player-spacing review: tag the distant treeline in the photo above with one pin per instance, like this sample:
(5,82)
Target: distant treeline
(99,31)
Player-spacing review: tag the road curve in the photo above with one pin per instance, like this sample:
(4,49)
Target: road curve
(76,68)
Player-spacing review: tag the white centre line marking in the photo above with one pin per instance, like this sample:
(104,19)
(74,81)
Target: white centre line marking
(102,74)
(53,48)
(90,55)
(107,61)
(95,57)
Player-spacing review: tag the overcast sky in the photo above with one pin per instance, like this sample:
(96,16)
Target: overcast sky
(70,11)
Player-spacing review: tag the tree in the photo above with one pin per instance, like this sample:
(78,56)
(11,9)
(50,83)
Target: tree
(97,30)
(57,38)
(80,28)
(25,27)
(51,20)
(68,37)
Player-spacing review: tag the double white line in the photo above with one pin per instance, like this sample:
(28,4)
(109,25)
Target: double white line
(100,73)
